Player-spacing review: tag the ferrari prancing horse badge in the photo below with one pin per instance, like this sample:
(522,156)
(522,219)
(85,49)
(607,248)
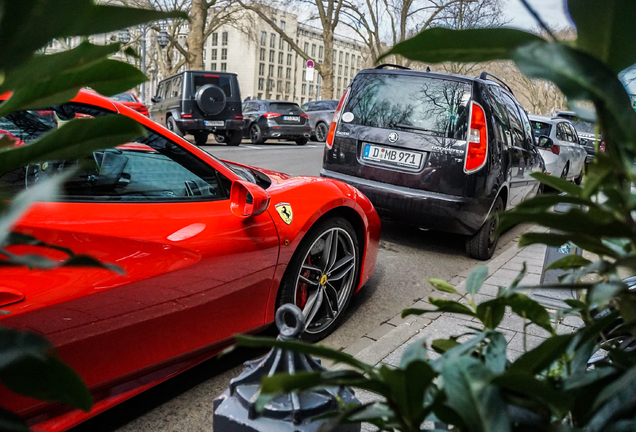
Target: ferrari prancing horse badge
(285,212)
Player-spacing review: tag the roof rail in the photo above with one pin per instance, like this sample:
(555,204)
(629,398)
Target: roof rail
(382,66)
(484,75)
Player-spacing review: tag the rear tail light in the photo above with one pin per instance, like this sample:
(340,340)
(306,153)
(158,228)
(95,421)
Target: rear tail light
(271,115)
(555,149)
(186,115)
(336,119)
(238,117)
(477,139)
(601,147)
(305,115)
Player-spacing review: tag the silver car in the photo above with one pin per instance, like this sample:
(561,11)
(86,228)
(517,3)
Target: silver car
(560,147)
(320,113)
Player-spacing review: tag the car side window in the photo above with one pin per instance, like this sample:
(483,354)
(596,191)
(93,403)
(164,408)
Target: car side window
(560,132)
(500,123)
(168,89)
(160,91)
(527,129)
(306,107)
(575,136)
(148,169)
(176,87)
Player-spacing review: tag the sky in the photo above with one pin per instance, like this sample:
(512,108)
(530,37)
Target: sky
(551,11)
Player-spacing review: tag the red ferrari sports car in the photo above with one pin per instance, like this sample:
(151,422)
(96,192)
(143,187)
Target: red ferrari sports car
(209,249)
(131,101)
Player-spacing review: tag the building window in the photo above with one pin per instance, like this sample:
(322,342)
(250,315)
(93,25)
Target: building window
(282,25)
(313,50)
(311,90)
(353,60)
(300,32)
(340,57)
(224,38)
(335,55)
(224,54)
(261,83)
(339,69)
(287,87)
(272,40)
(271,70)
(274,20)
(339,81)
(281,43)
(322,38)
(272,54)
(320,49)
(280,57)
(261,69)
(213,54)
(335,41)
(306,49)
(204,51)
(279,87)
(280,72)
(213,66)
(289,59)
(346,70)
(278,97)
(304,89)
(263,38)
(215,39)
(288,47)
(347,44)
(304,75)
(347,58)
(344,82)
(223,67)
(306,33)
(262,56)
(288,73)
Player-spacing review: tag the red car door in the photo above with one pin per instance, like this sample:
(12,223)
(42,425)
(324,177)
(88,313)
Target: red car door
(195,274)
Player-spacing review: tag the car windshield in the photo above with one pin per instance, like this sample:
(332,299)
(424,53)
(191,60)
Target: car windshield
(540,128)
(583,126)
(220,81)
(285,108)
(412,103)
(124,97)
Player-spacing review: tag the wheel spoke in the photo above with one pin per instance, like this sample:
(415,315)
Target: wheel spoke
(311,268)
(320,294)
(333,251)
(310,302)
(342,273)
(332,302)
(326,251)
(307,281)
(342,263)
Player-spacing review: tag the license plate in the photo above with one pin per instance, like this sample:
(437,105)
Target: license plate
(291,118)
(391,156)
(215,123)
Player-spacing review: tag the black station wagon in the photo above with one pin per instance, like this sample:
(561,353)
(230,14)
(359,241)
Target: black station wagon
(435,150)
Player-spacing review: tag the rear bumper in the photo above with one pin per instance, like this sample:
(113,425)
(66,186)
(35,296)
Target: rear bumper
(431,210)
(291,132)
(187,125)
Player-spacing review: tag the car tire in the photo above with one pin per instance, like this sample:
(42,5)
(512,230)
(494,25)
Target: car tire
(579,179)
(234,138)
(256,134)
(482,245)
(321,132)
(566,169)
(307,265)
(219,138)
(171,124)
(201,138)
(301,141)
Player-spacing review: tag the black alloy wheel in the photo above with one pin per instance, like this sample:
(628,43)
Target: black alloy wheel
(566,168)
(256,135)
(201,138)
(301,141)
(171,124)
(322,276)
(482,245)
(321,132)
(234,138)
(579,179)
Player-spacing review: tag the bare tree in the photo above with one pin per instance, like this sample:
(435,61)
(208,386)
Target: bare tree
(329,16)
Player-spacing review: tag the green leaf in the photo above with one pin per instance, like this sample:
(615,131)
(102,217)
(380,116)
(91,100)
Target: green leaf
(303,348)
(491,312)
(601,293)
(613,399)
(47,379)
(495,353)
(27,25)
(437,45)
(541,357)
(442,285)
(450,306)
(416,311)
(472,397)
(16,346)
(88,261)
(10,422)
(530,309)
(539,390)
(106,76)
(414,352)
(77,138)
(587,377)
(419,377)
(476,279)
(569,262)
(558,184)
(442,345)
(587,242)
(541,203)
(605,30)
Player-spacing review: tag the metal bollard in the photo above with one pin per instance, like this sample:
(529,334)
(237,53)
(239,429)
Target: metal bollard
(234,409)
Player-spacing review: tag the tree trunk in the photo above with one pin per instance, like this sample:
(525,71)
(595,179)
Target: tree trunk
(326,68)
(195,39)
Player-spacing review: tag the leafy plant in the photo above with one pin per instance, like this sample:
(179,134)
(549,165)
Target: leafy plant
(28,365)
(472,386)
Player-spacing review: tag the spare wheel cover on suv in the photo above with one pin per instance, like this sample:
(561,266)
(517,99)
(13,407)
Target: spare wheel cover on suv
(211,99)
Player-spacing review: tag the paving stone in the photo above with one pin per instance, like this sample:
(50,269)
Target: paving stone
(358,345)
(531,341)
(573,321)
(528,261)
(397,320)
(564,329)
(518,266)
(530,255)
(506,274)
(444,295)
(457,280)
(504,282)
(380,331)
(513,354)
(489,290)
(531,279)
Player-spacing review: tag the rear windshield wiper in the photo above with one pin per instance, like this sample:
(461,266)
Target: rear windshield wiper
(404,126)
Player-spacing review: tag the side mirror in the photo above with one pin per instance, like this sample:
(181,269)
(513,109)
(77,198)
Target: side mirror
(247,199)
(154,99)
(545,142)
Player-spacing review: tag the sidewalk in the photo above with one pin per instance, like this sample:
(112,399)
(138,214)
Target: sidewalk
(386,343)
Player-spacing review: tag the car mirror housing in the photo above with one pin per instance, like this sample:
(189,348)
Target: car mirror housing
(248,199)
(544,141)
(154,99)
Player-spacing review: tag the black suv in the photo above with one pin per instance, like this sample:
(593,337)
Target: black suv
(435,150)
(586,131)
(275,119)
(200,103)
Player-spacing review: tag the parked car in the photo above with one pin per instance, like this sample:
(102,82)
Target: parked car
(559,146)
(200,103)
(320,114)
(207,249)
(435,150)
(586,131)
(265,119)
(131,101)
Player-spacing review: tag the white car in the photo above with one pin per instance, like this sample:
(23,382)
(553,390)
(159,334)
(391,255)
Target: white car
(558,143)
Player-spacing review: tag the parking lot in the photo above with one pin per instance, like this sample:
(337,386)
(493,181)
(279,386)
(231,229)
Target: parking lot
(407,257)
